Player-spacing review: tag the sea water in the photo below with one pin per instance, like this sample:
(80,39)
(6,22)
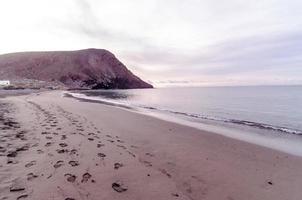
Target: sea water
(239,112)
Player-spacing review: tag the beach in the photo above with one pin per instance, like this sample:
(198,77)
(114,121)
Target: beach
(59,148)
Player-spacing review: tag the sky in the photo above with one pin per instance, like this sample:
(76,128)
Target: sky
(168,42)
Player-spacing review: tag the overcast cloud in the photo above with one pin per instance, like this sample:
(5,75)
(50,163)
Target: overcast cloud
(192,42)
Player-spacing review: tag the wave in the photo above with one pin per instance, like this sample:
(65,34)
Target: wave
(83,97)
(189,115)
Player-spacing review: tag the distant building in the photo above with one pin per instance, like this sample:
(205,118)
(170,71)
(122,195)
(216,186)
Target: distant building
(4,83)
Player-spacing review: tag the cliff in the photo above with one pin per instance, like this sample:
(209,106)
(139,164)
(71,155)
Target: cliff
(83,69)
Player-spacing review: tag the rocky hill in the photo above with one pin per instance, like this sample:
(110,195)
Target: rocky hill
(83,69)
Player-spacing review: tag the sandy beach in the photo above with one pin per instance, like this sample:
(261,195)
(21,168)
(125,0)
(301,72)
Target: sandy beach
(58,148)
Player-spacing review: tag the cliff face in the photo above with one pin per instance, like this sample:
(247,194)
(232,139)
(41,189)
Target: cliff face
(83,69)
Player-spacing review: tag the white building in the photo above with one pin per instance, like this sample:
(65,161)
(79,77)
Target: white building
(4,83)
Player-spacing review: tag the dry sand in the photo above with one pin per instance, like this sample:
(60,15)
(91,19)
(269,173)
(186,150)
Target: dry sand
(59,148)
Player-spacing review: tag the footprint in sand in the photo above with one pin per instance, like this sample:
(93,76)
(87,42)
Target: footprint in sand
(23,196)
(74,163)
(70,178)
(90,139)
(132,154)
(146,163)
(63,145)
(175,195)
(31,176)
(118,165)
(163,171)
(30,164)
(69,198)
(149,154)
(48,137)
(73,152)
(101,155)
(62,151)
(63,137)
(85,177)
(100,145)
(50,154)
(17,187)
(119,187)
(58,164)
(121,146)
(48,144)
(2,149)
(40,151)
(35,145)
(12,154)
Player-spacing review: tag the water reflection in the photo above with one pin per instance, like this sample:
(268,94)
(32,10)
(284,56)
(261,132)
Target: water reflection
(118,95)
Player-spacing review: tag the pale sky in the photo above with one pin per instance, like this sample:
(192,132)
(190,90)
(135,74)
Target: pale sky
(168,42)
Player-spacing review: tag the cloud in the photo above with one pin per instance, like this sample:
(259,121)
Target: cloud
(182,41)
(89,25)
(255,51)
(259,59)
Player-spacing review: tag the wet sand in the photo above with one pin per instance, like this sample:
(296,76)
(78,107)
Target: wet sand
(58,148)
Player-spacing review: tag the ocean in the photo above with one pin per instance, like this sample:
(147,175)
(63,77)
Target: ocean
(272,112)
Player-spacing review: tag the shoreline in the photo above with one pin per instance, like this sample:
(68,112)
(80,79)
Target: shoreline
(277,140)
(135,99)
(117,154)
(20,92)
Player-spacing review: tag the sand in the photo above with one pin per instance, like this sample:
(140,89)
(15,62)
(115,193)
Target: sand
(58,148)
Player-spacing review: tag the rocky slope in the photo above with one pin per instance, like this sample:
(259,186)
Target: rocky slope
(83,69)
